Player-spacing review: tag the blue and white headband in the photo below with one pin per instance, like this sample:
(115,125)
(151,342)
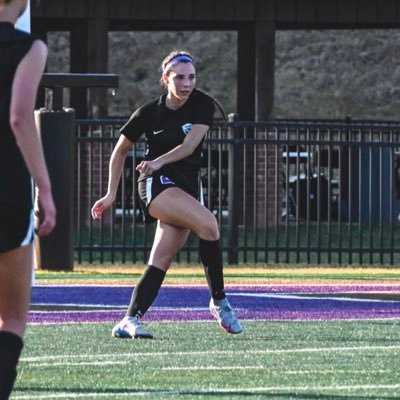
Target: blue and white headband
(176,60)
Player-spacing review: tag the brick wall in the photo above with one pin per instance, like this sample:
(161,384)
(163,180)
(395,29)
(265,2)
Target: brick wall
(268,187)
(92,170)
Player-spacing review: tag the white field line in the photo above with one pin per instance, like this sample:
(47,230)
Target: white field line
(80,305)
(109,308)
(266,371)
(197,392)
(132,285)
(361,319)
(85,357)
(298,297)
(233,285)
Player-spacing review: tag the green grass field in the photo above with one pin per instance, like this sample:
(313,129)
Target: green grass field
(270,360)
(318,360)
(246,273)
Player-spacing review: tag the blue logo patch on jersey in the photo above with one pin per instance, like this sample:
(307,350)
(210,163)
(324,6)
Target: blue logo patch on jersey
(187,128)
(165,180)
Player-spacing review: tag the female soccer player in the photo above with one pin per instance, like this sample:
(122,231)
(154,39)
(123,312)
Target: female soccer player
(175,126)
(21,158)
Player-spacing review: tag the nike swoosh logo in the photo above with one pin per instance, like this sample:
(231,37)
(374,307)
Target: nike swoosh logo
(157,132)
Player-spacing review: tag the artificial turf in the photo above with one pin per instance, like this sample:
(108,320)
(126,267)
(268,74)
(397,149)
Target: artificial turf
(127,274)
(319,360)
(196,360)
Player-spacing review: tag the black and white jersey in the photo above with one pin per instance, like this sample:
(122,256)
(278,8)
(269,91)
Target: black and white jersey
(164,129)
(15,181)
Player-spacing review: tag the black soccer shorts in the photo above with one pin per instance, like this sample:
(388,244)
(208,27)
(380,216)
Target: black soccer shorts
(151,186)
(16,227)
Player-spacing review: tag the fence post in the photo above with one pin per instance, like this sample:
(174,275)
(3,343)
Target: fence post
(233,177)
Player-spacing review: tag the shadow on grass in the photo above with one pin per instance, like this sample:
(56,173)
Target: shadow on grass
(203,393)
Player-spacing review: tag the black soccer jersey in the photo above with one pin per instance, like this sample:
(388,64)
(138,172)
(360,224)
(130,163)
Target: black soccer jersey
(165,129)
(15,181)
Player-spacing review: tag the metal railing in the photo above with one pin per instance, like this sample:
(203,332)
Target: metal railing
(320,192)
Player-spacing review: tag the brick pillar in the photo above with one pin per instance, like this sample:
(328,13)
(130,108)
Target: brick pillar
(269,185)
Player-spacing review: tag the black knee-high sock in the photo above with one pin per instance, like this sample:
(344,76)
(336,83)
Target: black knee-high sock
(211,257)
(10,350)
(145,291)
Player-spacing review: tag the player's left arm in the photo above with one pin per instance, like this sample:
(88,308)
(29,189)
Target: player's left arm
(188,146)
(23,98)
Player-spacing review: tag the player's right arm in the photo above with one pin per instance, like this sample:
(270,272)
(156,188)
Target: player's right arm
(23,98)
(116,166)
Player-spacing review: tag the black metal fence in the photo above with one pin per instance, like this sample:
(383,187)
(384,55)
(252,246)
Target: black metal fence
(313,192)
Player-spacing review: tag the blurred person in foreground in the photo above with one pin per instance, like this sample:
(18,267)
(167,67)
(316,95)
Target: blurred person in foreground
(22,164)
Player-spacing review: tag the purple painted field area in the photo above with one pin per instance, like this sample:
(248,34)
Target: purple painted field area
(74,304)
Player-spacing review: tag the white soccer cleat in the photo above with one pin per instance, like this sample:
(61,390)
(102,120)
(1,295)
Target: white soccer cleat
(130,328)
(223,313)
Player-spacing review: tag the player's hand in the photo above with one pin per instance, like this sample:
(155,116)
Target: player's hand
(101,205)
(148,167)
(47,213)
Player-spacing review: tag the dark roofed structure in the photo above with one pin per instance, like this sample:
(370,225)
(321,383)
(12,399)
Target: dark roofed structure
(256,22)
